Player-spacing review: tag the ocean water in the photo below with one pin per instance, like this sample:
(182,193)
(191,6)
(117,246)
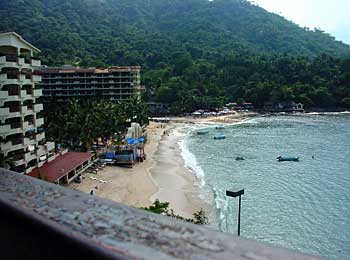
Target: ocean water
(298,205)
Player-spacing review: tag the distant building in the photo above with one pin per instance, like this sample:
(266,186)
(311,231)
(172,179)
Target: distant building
(21,122)
(285,106)
(158,108)
(114,83)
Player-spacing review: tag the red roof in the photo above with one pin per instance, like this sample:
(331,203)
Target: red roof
(61,166)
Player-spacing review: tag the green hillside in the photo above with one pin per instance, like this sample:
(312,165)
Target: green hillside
(149,31)
(194,53)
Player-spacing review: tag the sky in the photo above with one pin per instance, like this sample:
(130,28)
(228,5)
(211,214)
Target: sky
(332,16)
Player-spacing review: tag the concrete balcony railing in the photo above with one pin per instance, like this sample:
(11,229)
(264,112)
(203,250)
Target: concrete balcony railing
(26,126)
(2,60)
(5,129)
(41,163)
(36,78)
(40,137)
(28,170)
(9,146)
(24,80)
(25,95)
(8,61)
(35,63)
(41,151)
(38,108)
(38,93)
(29,156)
(53,218)
(4,95)
(50,146)
(21,61)
(18,161)
(5,113)
(3,77)
(27,110)
(28,141)
(39,122)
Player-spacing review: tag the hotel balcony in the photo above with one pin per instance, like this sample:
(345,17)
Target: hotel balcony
(3,77)
(36,78)
(41,151)
(29,156)
(19,160)
(5,129)
(11,60)
(50,146)
(10,129)
(36,63)
(27,126)
(6,112)
(8,96)
(71,223)
(27,110)
(8,60)
(24,79)
(38,108)
(28,170)
(39,122)
(38,93)
(40,136)
(24,62)
(26,95)
(12,146)
(28,141)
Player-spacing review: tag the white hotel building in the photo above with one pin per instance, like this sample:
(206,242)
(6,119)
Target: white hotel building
(21,122)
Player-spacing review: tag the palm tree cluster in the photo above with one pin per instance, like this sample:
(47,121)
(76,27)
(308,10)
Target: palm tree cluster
(82,122)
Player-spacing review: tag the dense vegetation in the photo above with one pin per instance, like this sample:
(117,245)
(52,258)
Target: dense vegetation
(194,53)
(81,123)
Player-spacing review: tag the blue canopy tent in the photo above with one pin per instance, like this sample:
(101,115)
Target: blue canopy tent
(109,156)
(131,141)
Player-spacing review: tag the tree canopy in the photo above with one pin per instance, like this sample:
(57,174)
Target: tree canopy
(194,53)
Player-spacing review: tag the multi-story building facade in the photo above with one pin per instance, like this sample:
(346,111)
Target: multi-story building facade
(21,121)
(114,83)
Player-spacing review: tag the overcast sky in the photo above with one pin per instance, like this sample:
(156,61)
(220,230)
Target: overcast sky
(332,16)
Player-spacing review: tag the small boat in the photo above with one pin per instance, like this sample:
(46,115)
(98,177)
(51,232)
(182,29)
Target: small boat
(220,127)
(202,132)
(219,136)
(239,158)
(287,159)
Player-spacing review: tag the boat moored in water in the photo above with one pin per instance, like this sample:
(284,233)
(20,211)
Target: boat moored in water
(219,136)
(220,127)
(202,132)
(287,159)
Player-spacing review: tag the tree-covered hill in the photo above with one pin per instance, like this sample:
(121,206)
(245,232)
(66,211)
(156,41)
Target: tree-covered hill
(194,53)
(151,31)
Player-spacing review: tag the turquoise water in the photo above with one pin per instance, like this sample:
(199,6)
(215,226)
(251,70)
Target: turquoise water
(299,205)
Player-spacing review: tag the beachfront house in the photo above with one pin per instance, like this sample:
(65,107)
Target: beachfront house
(284,106)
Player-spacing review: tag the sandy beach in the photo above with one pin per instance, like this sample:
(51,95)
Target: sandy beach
(162,176)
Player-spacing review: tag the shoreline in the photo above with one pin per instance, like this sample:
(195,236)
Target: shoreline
(162,176)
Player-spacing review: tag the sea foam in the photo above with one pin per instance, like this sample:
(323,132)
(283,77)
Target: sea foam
(189,158)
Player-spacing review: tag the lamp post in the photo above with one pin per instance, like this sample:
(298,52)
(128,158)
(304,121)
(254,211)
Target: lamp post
(237,194)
